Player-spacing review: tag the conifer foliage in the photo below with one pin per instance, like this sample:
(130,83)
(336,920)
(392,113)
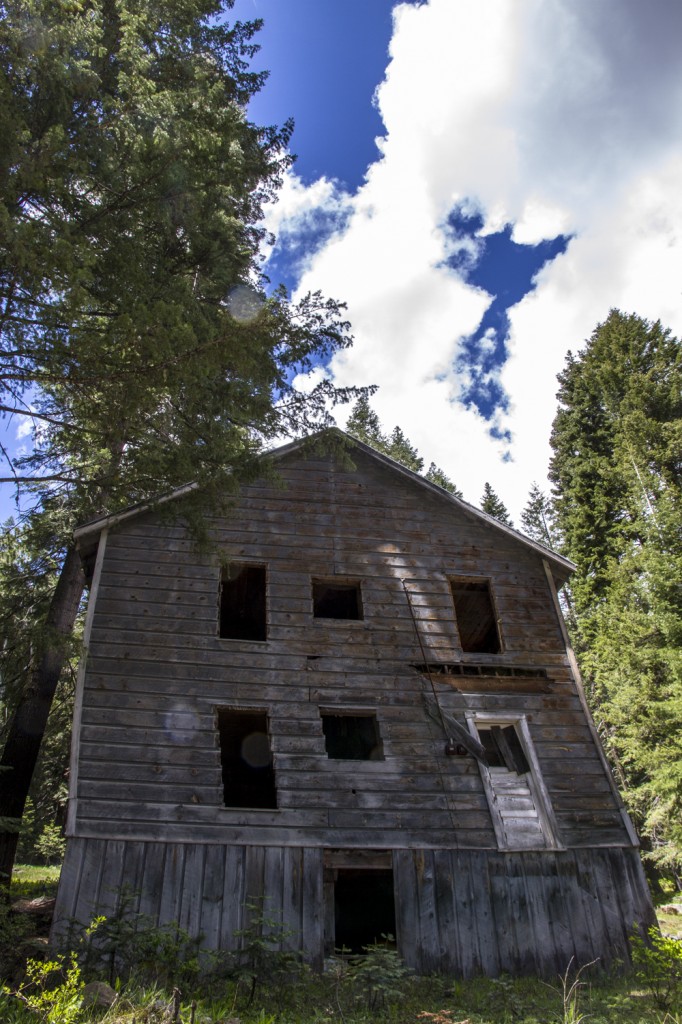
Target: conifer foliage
(494,506)
(538,520)
(617,475)
(135,329)
(364,424)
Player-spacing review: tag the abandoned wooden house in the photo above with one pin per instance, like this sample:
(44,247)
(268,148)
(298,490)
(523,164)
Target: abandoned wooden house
(360,708)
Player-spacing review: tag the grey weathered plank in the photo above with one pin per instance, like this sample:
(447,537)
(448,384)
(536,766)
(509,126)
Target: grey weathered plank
(70,880)
(171,889)
(312,924)
(192,890)
(151,886)
(212,896)
(427,915)
(449,955)
(234,896)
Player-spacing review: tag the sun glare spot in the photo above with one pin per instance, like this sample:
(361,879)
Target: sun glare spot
(244,303)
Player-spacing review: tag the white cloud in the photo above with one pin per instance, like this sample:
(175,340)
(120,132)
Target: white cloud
(24,428)
(304,216)
(299,205)
(555,115)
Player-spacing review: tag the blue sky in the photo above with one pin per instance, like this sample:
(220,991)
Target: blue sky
(480,181)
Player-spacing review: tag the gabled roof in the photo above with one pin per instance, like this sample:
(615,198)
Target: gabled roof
(87,534)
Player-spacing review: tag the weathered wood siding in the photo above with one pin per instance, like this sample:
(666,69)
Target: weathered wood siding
(463,912)
(147,808)
(149,765)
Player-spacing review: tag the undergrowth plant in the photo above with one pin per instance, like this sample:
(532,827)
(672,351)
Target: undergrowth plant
(52,991)
(571,990)
(263,959)
(130,945)
(381,974)
(505,989)
(658,966)
(14,930)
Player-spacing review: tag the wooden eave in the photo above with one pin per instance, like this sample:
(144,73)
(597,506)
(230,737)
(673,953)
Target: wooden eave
(87,535)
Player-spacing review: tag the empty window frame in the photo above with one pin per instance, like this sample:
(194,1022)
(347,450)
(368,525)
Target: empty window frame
(476,617)
(242,603)
(246,759)
(352,737)
(337,599)
(519,804)
(503,748)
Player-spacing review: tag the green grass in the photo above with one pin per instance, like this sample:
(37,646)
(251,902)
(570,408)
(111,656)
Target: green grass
(340,999)
(670,924)
(29,882)
(424,1001)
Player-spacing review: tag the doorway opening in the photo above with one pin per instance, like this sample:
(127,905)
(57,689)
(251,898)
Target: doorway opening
(364,908)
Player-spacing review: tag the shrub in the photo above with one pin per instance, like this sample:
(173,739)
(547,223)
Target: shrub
(128,945)
(381,973)
(52,991)
(262,960)
(658,966)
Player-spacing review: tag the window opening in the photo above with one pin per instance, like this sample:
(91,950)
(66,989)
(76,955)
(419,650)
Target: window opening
(503,748)
(334,600)
(246,759)
(352,737)
(364,908)
(520,807)
(476,619)
(242,603)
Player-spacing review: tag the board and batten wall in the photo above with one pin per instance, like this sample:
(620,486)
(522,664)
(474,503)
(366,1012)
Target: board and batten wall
(147,801)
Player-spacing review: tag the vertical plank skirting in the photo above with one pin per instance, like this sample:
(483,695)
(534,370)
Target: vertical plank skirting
(233,897)
(152,880)
(212,897)
(312,911)
(459,912)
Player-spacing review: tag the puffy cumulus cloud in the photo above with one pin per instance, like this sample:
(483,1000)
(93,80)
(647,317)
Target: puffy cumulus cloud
(303,217)
(630,258)
(558,116)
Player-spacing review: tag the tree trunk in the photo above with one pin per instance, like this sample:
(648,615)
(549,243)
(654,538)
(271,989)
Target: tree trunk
(26,730)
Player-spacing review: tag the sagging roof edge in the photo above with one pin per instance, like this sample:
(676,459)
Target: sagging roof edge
(563,566)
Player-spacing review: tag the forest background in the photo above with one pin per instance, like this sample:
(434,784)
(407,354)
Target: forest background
(137,325)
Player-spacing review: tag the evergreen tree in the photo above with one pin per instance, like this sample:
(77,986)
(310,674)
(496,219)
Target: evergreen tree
(400,449)
(493,506)
(134,324)
(27,581)
(436,476)
(364,424)
(616,468)
(538,518)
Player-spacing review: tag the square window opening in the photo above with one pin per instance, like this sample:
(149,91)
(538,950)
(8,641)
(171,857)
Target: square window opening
(242,603)
(246,759)
(364,908)
(475,614)
(337,600)
(352,737)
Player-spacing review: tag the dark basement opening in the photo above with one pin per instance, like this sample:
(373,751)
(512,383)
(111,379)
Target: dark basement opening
(364,908)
